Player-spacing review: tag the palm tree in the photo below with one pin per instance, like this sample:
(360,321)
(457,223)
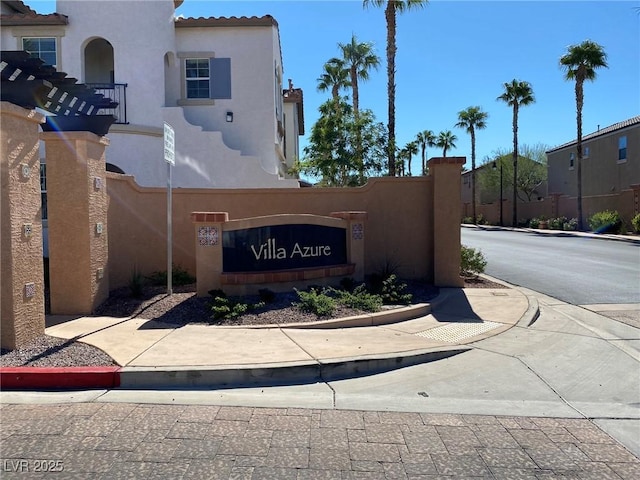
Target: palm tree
(445,141)
(425,139)
(359,59)
(471,119)
(411,149)
(580,64)
(335,77)
(391,7)
(516,93)
(401,156)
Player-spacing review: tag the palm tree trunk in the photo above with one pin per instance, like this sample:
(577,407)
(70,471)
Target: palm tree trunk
(473,175)
(579,103)
(514,220)
(390,16)
(424,163)
(356,116)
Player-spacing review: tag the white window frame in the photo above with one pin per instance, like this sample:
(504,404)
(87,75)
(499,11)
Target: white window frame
(572,160)
(39,53)
(40,32)
(184,56)
(622,139)
(198,78)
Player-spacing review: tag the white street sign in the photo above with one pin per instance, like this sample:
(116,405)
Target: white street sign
(169,144)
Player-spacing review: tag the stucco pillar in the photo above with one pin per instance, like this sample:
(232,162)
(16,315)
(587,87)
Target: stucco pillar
(77,215)
(555,204)
(636,198)
(208,228)
(21,269)
(446,221)
(355,240)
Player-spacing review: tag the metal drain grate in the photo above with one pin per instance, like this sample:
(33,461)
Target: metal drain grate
(454,332)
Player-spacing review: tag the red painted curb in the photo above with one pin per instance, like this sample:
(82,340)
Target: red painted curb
(37,378)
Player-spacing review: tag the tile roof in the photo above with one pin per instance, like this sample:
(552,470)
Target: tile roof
(603,131)
(23,15)
(265,21)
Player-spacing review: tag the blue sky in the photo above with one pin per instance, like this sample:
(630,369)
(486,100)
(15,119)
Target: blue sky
(456,54)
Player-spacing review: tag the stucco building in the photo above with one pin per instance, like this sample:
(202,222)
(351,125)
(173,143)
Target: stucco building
(611,161)
(217,81)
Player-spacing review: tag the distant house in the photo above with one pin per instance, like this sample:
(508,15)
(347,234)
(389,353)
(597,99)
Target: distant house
(217,81)
(486,196)
(611,161)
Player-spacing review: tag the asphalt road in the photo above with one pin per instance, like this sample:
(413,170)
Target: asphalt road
(577,270)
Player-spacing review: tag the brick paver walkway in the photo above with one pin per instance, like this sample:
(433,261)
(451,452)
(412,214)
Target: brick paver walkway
(114,441)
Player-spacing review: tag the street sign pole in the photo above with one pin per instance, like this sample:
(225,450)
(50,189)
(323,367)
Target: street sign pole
(169,156)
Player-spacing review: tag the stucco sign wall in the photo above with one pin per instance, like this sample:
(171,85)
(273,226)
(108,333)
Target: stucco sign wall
(281,247)
(277,251)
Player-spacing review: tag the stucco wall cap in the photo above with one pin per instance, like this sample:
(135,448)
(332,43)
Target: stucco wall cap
(447,160)
(209,217)
(265,21)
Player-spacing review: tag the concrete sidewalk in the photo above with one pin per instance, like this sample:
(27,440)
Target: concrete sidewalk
(630,238)
(157,355)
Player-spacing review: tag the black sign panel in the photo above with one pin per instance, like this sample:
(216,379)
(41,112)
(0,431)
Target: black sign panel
(282,247)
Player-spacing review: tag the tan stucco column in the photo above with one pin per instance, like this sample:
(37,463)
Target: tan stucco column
(21,269)
(446,221)
(636,198)
(355,240)
(208,229)
(77,216)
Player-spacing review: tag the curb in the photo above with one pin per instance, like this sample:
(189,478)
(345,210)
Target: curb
(145,378)
(52,378)
(557,233)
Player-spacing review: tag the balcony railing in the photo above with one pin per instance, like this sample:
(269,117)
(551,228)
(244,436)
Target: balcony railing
(116,92)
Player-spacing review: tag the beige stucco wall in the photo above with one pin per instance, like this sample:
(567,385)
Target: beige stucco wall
(22,315)
(399,224)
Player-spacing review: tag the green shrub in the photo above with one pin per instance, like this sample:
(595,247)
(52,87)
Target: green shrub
(316,301)
(179,277)
(393,291)
(607,221)
(557,223)
(472,262)
(534,222)
(480,220)
(361,299)
(136,283)
(635,223)
(468,220)
(570,225)
(227,308)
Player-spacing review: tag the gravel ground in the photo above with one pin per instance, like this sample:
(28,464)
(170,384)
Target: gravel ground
(179,309)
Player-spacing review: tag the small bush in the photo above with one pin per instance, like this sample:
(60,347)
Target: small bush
(316,301)
(480,220)
(472,262)
(557,223)
(534,222)
(607,221)
(179,277)
(635,223)
(468,220)
(361,299)
(223,307)
(393,291)
(136,283)
(570,225)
